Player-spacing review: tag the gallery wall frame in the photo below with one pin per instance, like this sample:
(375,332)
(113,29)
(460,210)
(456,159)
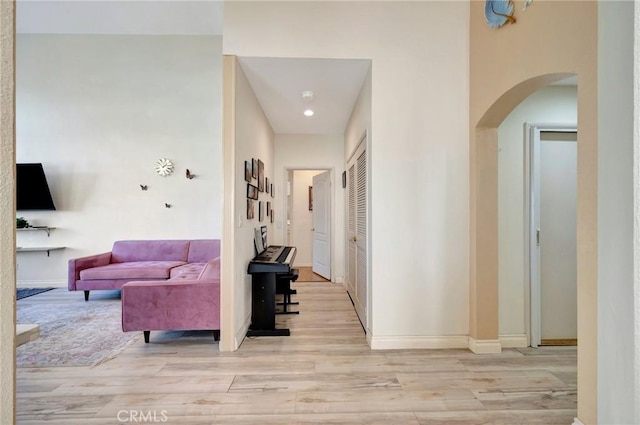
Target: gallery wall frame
(260,175)
(252,191)
(248,171)
(250,209)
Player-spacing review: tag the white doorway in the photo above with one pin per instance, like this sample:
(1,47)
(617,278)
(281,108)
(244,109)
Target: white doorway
(552,234)
(309,216)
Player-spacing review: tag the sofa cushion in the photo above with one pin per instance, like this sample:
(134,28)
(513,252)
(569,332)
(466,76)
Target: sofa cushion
(150,250)
(203,250)
(131,270)
(211,270)
(187,271)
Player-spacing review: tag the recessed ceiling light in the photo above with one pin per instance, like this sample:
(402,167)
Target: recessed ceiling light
(308,113)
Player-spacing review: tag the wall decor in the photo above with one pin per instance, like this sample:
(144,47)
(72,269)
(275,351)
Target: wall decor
(260,211)
(249,209)
(188,174)
(248,170)
(252,191)
(254,168)
(268,208)
(310,198)
(272,216)
(498,12)
(271,189)
(164,167)
(167,205)
(144,187)
(260,175)
(344,179)
(266,184)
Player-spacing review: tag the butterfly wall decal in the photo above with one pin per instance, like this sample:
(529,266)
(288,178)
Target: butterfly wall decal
(189,175)
(167,205)
(144,187)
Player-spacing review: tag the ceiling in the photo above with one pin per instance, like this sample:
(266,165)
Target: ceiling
(278,83)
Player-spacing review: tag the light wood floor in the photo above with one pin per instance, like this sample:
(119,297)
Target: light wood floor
(324,373)
(307,275)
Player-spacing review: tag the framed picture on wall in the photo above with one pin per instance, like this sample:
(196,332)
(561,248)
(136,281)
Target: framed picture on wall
(250,209)
(260,175)
(260,211)
(268,208)
(310,198)
(271,190)
(271,216)
(266,185)
(252,191)
(254,168)
(248,170)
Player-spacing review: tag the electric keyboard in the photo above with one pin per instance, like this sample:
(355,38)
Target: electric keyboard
(274,259)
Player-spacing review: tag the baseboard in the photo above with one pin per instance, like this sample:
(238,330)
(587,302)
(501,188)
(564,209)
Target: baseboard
(485,346)
(513,340)
(42,283)
(417,342)
(577,421)
(242,333)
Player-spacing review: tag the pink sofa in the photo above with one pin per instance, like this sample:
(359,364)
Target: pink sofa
(180,303)
(140,260)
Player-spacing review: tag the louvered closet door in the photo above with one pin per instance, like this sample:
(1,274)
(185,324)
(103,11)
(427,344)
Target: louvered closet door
(357,231)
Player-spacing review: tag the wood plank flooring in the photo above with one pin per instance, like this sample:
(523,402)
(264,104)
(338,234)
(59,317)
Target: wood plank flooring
(324,373)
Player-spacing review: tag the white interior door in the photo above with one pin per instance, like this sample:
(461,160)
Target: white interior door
(322,224)
(554,280)
(357,231)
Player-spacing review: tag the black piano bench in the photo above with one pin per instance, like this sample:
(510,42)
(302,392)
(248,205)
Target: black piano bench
(283,287)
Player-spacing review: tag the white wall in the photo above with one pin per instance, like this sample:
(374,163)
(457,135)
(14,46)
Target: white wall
(306,151)
(551,105)
(419,143)
(302,217)
(618,245)
(254,139)
(98,111)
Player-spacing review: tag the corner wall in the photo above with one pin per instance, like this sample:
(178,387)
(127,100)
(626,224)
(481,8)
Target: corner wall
(98,112)
(251,137)
(618,337)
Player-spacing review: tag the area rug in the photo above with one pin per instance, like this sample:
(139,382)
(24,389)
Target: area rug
(28,292)
(73,333)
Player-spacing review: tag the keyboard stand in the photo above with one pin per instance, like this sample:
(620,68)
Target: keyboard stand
(263,306)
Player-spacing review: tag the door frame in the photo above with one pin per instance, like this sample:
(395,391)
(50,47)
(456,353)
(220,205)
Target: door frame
(332,196)
(531,258)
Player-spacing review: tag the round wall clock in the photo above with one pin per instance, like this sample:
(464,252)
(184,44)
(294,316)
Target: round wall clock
(164,167)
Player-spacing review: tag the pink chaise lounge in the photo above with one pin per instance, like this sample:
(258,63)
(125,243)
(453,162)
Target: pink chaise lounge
(181,303)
